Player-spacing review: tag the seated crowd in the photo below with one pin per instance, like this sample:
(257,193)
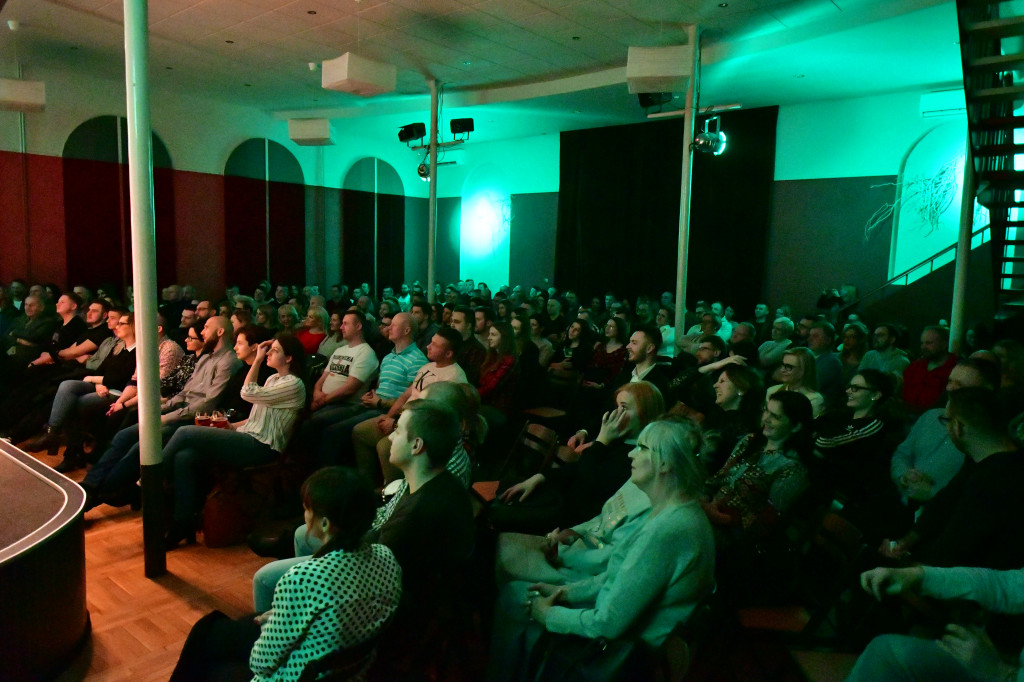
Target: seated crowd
(693,464)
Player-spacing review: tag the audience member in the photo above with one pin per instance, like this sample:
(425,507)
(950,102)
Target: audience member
(975,520)
(193,450)
(925,378)
(798,373)
(342,596)
(885,354)
(653,580)
(471,352)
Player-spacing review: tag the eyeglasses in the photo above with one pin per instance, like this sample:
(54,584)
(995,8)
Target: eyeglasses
(944,420)
(786,367)
(857,389)
(192,338)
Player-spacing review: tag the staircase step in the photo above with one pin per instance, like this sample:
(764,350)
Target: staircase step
(1002,179)
(999,149)
(999,62)
(1012,259)
(999,123)
(1003,94)
(995,28)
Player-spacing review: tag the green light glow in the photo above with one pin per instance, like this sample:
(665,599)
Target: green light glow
(485,227)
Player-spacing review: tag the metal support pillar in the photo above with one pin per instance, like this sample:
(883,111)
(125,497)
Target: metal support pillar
(963,255)
(143,224)
(689,119)
(432,204)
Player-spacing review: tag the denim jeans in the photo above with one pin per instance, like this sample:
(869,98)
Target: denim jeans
(75,396)
(193,450)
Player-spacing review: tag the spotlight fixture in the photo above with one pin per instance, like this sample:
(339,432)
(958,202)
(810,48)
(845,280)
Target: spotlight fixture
(710,141)
(461,125)
(423,170)
(413,131)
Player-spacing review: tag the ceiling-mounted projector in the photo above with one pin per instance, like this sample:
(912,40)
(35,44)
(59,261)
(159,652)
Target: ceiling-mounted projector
(358,75)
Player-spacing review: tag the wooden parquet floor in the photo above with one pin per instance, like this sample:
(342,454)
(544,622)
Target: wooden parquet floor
(139,625)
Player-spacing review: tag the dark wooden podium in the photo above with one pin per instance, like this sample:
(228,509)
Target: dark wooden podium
(43,615)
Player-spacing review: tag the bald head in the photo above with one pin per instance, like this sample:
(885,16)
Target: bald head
(217,332)
(401,327)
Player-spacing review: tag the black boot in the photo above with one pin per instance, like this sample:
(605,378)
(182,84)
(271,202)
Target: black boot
(74,459)
(50,440)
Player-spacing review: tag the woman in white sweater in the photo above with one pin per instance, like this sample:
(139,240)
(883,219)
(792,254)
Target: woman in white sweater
(654,578)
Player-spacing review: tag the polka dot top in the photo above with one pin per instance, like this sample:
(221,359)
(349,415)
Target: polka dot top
(325,604)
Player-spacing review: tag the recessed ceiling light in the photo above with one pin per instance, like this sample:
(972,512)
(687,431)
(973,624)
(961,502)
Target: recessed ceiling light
(311,11)
(723,4)
(230,42)
(799,75)
(248,85)
(575,37)
(466,63)
(169,68)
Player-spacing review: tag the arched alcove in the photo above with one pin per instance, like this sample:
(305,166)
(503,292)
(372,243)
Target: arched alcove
(97,205)
(373,225)
(264,215)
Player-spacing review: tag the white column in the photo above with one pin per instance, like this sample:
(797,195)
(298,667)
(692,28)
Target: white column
(432,204)
(143,224)
(963,255)
(689,119)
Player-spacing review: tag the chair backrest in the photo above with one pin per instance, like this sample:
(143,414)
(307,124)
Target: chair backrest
(532,450)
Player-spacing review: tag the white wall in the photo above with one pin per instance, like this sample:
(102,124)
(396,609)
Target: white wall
(850,137)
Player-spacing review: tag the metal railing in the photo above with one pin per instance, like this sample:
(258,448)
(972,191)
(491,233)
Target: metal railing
(924,268)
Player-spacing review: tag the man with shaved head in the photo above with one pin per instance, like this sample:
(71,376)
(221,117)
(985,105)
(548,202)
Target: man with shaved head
(397,372)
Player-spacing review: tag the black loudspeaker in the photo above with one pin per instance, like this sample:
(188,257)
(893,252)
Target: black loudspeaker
(413,131)
(461,125)
(654,99)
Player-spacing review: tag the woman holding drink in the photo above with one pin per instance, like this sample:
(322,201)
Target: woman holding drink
(257,440)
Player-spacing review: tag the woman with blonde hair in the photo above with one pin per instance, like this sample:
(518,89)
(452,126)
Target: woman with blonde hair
(653,581)
(799,373)
(313,330)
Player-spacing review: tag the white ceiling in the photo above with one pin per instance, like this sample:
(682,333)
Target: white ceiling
(257,52)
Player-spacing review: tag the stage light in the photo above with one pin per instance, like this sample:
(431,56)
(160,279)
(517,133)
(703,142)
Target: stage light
(413,131)
(423,170)
(461,125)
(710,141)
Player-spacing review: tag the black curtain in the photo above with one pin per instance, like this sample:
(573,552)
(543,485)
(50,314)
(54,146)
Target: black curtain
(618,210)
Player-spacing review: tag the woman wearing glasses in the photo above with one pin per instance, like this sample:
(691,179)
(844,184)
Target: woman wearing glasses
(799,374)
(853,452)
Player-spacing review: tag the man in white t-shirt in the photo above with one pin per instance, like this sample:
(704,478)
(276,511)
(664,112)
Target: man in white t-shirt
(344,380)
(441,353)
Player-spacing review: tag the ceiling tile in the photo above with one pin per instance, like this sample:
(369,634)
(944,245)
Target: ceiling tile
(509,10)
(322,14)
(431,7)
(239,11)
(391,15)
(473,21)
